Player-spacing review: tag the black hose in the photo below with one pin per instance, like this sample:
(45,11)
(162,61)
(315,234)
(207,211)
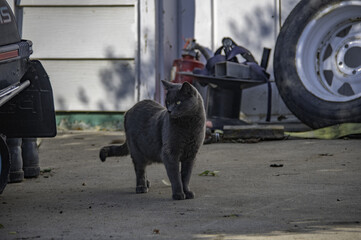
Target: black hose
(202,50)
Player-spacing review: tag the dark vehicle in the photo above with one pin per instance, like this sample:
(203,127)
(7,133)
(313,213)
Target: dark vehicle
(26,97)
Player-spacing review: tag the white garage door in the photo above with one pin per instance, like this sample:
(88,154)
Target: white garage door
(88,48)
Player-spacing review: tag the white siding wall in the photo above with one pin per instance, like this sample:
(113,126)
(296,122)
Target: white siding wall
(90,50)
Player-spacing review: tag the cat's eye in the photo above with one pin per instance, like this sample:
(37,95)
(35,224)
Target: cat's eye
(178,102)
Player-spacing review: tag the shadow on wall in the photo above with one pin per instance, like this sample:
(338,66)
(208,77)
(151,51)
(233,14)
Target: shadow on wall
(127,81)
(60,101)
(118,82)
(82,96)
(258,28)
(116,79)
(97,85)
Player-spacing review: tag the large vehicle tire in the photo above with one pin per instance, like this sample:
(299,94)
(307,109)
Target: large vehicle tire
(317,62)
(4,163)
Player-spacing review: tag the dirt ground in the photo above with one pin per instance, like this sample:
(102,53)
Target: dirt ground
(287,189)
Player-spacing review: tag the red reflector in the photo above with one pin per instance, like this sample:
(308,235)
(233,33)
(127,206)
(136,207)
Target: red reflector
(8,55)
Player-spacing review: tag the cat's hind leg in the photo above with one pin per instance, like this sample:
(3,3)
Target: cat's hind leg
(142,184)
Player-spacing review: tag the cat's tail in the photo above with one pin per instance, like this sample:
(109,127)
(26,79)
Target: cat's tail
(113,151)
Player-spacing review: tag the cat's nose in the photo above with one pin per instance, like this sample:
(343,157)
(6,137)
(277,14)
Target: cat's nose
(170,109)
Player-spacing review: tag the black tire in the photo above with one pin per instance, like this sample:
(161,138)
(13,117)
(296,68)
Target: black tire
(307,76)
(4,163)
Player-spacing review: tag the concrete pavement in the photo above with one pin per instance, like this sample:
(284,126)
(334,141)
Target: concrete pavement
(288,189)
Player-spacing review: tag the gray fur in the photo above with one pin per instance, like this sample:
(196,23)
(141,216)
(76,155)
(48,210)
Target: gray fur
(169,135)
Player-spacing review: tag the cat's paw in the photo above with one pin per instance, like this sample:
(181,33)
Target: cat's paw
(103,154)
(178,196)
(141,189)
(189,194)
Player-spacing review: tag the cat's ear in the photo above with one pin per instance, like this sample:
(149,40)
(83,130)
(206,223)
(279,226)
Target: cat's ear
(187,88)
(167,85)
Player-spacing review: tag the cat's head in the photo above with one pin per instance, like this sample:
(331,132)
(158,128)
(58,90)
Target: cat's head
(181,99)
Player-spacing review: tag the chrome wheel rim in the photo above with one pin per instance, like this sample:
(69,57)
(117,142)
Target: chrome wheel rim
(328,55)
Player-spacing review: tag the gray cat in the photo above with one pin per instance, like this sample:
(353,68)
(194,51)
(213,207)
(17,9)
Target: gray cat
(169,135)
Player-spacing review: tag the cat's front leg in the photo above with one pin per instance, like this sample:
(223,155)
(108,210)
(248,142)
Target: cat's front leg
(186,172)
(172,167)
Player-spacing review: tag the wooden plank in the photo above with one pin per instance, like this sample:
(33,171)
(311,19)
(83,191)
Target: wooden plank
(31,3)
(84,32)
(96,85)
(253,131)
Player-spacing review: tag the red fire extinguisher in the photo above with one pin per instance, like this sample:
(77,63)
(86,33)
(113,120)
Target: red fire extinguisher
(188,62)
